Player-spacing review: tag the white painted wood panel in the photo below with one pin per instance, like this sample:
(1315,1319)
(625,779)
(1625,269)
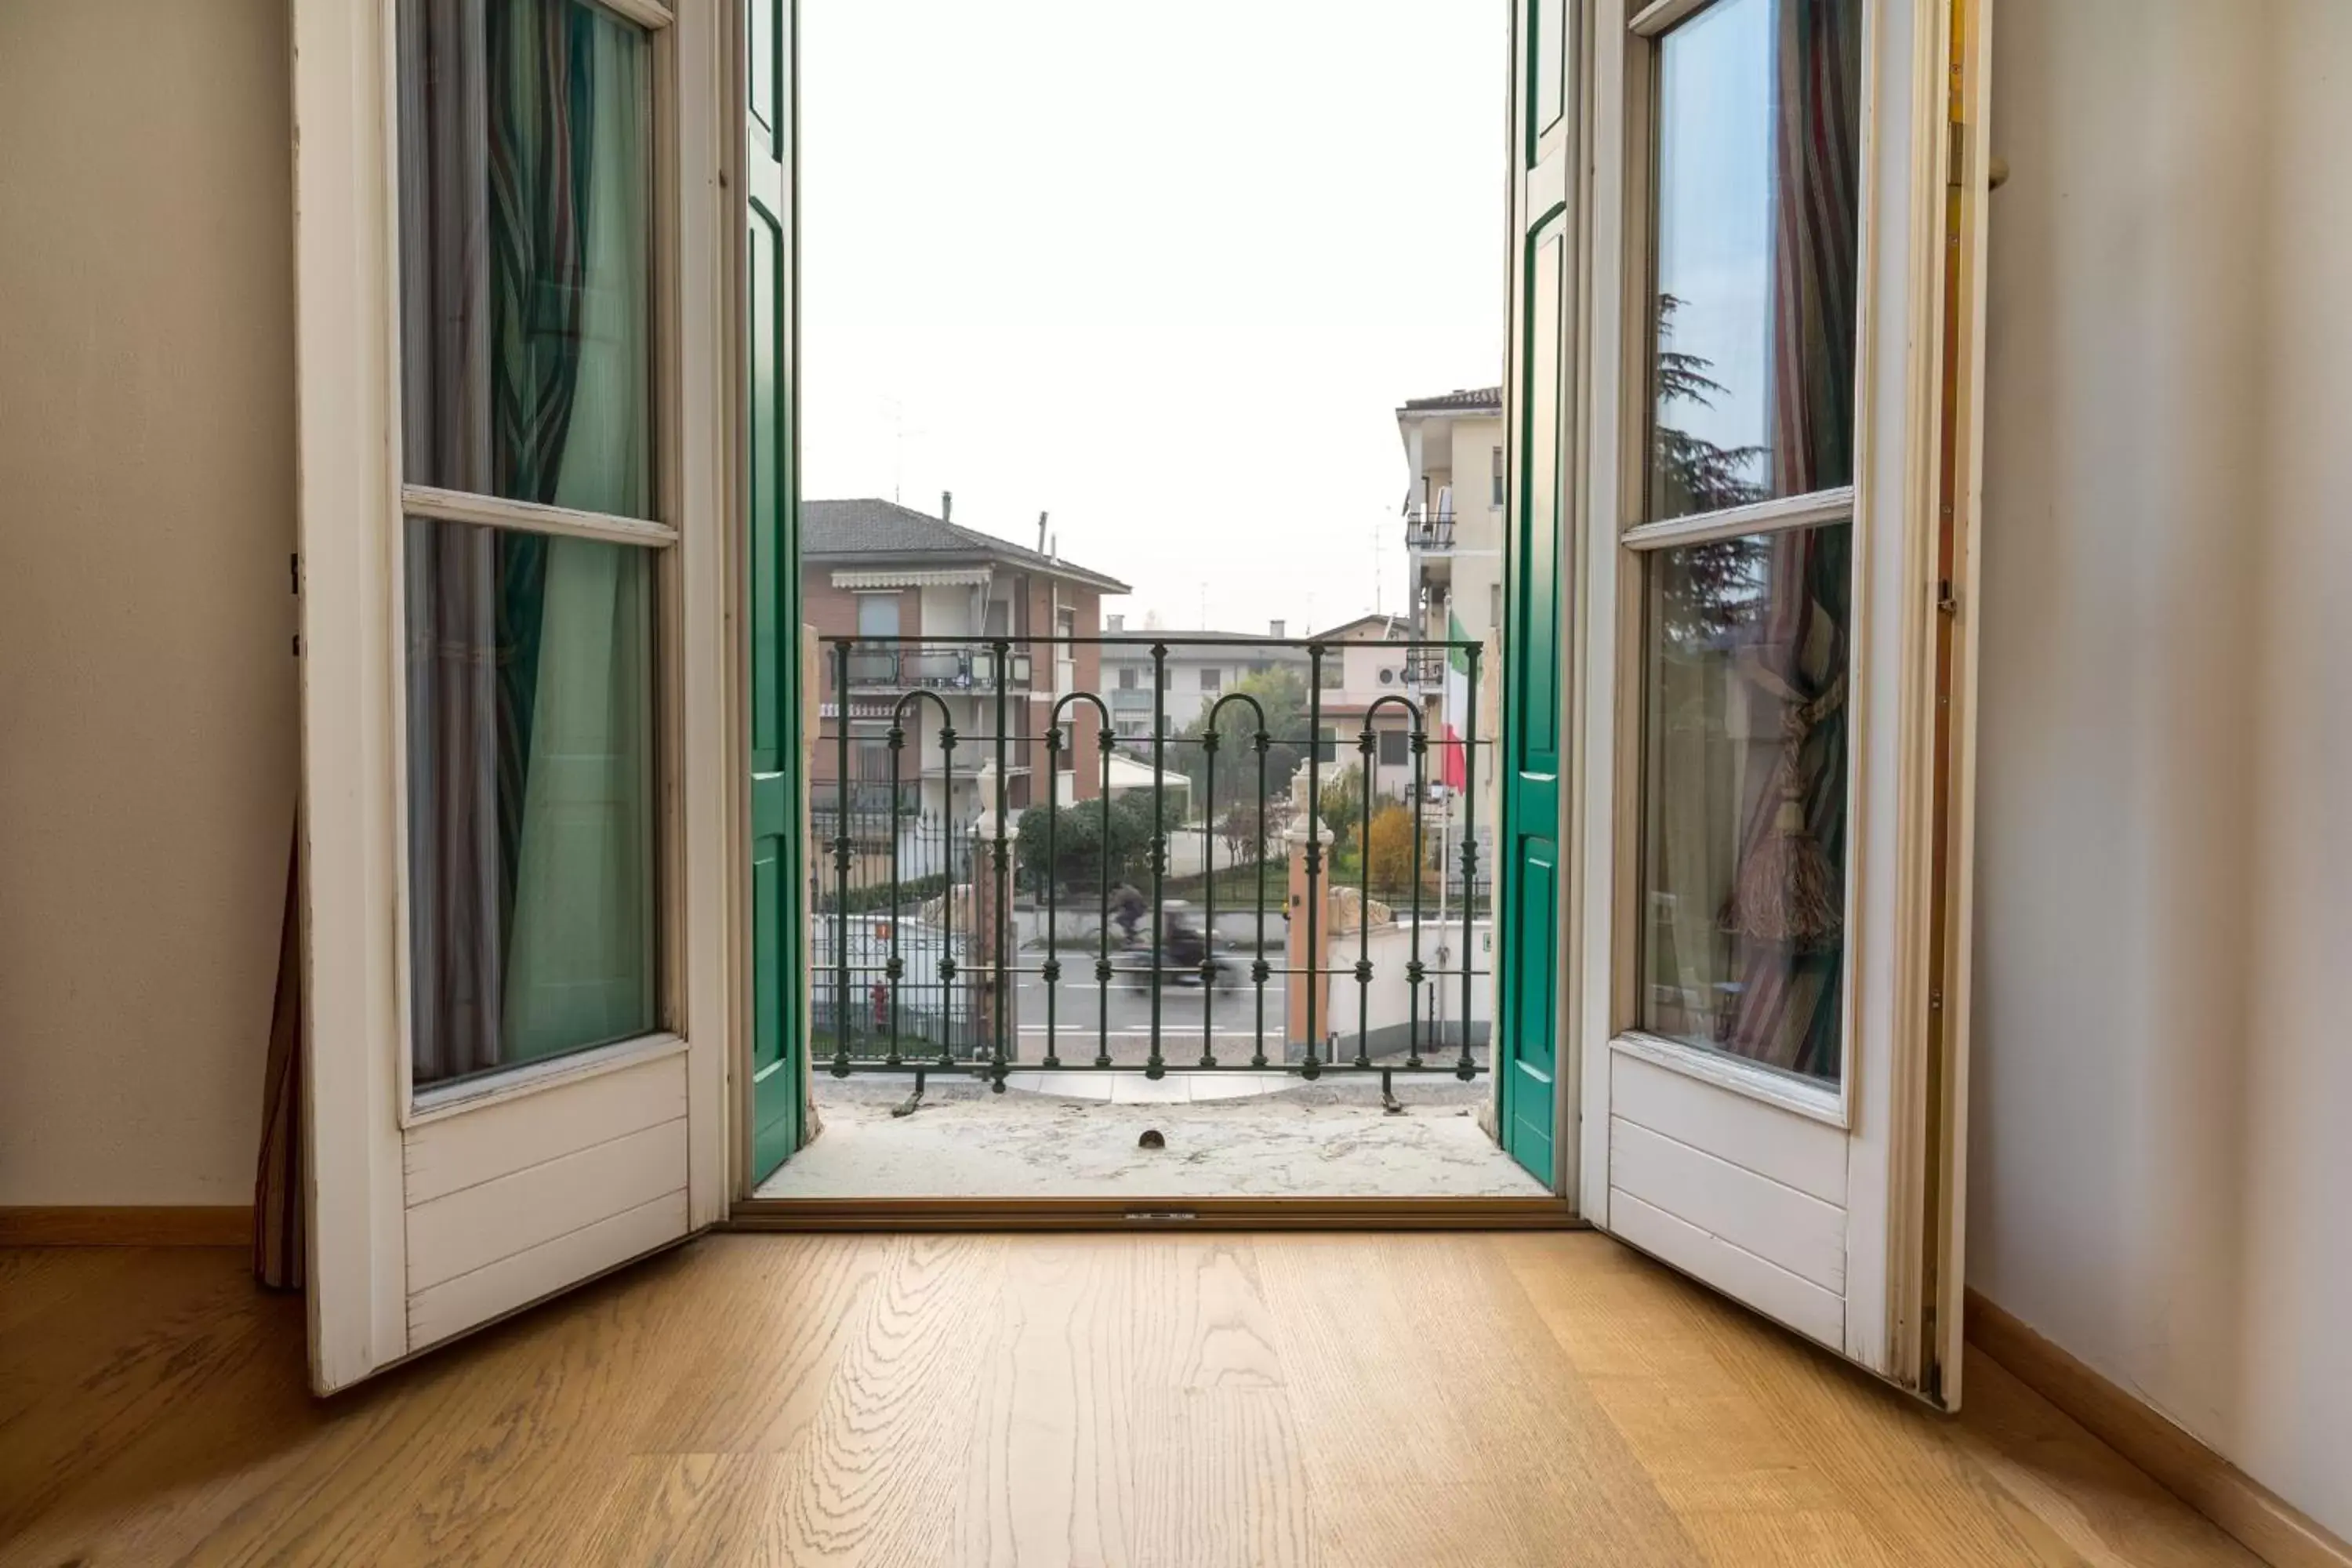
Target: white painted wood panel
(1794,1150)
(460,1152)
(480,1225)
(1780,1225)
(1803,1306)
(457,1304)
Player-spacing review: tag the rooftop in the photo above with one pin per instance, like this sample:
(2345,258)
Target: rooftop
(1374,627)
(1461,400)
(834,529)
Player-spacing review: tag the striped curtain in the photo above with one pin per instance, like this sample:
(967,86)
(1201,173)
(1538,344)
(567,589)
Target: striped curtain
(1787,1007)
(492,170)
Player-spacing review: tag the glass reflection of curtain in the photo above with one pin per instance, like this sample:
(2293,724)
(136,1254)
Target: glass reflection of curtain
(524,365)
(1788,1001)
(1747,762)
(1785,1009)
(580,964)
(451,573)
(1816,115)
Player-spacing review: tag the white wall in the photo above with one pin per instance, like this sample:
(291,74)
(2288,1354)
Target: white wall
(147,695)
(2161,1150)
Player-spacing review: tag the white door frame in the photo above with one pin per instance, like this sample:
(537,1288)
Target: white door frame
(350,501)
(1897,1106)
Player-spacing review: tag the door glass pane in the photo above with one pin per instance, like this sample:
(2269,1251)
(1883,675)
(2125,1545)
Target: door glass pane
(532,926)
(525,245)
(1753,352)
(1744,796)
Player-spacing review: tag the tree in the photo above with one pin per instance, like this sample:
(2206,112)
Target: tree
(1388,850)
(1241,829)
(1282,694)
(1341,806)
(1715,578)
(1078,831)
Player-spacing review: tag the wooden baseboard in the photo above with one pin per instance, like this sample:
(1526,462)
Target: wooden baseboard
(1150,1213)
(78,1224)
(2263,1523)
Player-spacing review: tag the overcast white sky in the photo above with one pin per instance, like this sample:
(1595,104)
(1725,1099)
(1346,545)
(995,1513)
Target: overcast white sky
(1162,272)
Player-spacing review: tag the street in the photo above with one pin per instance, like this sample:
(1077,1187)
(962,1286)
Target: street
(1078,1015)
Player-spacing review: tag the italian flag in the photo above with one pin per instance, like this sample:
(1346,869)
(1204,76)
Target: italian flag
(1457,763)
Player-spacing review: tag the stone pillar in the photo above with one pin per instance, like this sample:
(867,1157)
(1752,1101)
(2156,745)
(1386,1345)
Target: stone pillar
(992,886)
(1305,828)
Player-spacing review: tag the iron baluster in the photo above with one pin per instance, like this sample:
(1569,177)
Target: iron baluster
(1309,1070)
(1000,993)
(1465,1069)
(1050,969)
(896,967)
(1259,969)
(1208,898)
(1412,969)
(1157,1066)
(1109,742)
(841,865)
(1366,746)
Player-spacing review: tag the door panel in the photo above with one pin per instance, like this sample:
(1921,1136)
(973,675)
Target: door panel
(515,792)
(1527,1085)
(1779,501)
(778,807)
(1535,649)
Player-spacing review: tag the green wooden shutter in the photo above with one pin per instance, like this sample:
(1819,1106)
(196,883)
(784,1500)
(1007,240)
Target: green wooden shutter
(778,873)
(1528,877)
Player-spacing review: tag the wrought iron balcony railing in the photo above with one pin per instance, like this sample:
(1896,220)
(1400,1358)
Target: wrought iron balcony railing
(1221,896)
(1425,670)
(1428,528)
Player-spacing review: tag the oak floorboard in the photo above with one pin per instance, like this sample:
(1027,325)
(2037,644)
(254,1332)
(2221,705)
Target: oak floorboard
(1351,1400)
(1134,1411)
(1425,1383)
(1773,1451)
(874,1478)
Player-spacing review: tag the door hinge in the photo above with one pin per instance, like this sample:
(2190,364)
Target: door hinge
(294,575)
(1947,601)
(1956,156)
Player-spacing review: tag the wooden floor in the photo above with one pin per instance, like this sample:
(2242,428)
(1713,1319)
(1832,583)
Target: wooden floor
(1544,1398)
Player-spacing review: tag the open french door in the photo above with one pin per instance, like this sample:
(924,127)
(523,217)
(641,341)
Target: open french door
(779,727)
(1529,871)
(1768,669)
(515,264)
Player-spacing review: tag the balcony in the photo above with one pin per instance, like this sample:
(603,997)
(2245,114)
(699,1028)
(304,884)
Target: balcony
(968,666)
(1430,530)
(1425,670)
(1277,972)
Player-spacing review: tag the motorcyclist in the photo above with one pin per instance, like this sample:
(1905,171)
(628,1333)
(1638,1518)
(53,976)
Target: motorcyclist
(1127,911)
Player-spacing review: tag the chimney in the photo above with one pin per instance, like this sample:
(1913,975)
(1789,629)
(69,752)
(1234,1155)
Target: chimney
(947,506)
(1275,629)
(1114,623)
(1041,533)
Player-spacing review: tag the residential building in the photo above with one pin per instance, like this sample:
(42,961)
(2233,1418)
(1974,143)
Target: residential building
(931,594)
(1365,678)
(1197,668)
(1454,510)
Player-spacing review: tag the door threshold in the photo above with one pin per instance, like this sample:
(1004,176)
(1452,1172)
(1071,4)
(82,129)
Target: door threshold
(1132,1214)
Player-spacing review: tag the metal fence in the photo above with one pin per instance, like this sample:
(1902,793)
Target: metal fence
(1003,883)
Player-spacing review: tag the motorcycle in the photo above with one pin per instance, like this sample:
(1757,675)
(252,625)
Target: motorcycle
(1135,962)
